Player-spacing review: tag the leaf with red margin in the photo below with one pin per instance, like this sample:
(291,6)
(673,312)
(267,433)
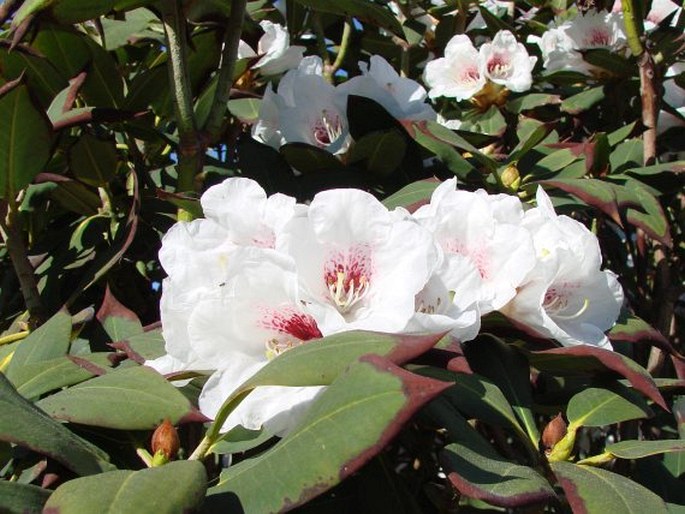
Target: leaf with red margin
(585,359)
(347,425)
(632,329)
(413,195)
(118,321)
(594,192)
(141,347)
(590,489)
(482,474)
(122,241)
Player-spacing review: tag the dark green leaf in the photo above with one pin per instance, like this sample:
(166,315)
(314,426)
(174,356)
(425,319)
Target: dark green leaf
(590,489)
(24,424)
(412,194)
(640,449)
(309,159)
(24,141)
(118,321)
(93,160)
(173,488)
(487,476)
(382,152)
(135,398)
(18,498)
(583,101)
(240,439)
(596,407)
(349,423)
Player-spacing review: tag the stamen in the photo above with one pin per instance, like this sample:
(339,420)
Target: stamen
(583,308)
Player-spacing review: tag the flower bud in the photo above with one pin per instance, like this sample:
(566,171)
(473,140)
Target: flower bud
(553,432)
(165,440)
(511,178)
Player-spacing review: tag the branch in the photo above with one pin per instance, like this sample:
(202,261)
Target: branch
(191,149)
(229,55)
(10,228)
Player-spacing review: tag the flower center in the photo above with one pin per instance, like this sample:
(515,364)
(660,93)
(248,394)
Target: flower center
(469,75)
(292,328)
(557,302)
(347,276)
(327,129)
(598,37)
(476,254)
(498,66)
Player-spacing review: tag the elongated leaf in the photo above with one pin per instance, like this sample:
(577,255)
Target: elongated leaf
(510,371)
(412,196)
(93,161)
(18,498)
(309,159)
(382,151)
(487,476)
(630,328)
(360,9)
(37,378)
(240,439)
(583,101)
(118,321)
(24,141)
(169,489)
(352,420)
(640,449)
(49,341)
(476,397)
(135,398)
(594,192)
(245,109)
(595,407)
(41,77)
(23,424)
(142,347)
(591,489)
(589,360)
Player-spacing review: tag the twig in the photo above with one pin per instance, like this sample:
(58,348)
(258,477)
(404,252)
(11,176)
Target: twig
(191,149)
(14,241)
(229,54)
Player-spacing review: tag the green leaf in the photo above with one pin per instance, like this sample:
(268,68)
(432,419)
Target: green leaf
(583,101)
(48,341)
(37,378)
(531,101)
(628,154)
(18,498)
(510,371)
(490,122)
(239,439)
(175,487)
(383,151)
(640,449)
(594,192)
(309,159)
(136,398)
(118,321)
(42,79)
(412,194)
(591,489)
(141,347)
(24,141)
(23,424)
(348,424)
(595,407)
(64,47)
(486,476)
(245,109)
(93,160)
(363,10)
(609,61)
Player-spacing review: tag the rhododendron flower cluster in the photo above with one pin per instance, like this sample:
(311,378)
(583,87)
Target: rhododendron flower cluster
(464,71)
(305,108)
(263,274)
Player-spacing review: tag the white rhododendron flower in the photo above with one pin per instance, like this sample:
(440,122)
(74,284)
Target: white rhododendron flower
(256,316)
(658,12)
(505,61)
(404,98)
(482,237)
(242,208)
(360,266)
(457,75)
(274,47)
(561,45)
(567,296)
(305,109)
